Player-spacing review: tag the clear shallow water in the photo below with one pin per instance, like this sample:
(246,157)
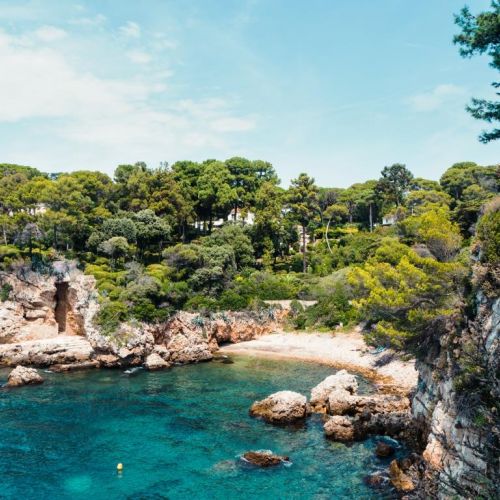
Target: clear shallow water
(178,434)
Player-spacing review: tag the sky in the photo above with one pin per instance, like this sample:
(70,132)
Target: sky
(334,88)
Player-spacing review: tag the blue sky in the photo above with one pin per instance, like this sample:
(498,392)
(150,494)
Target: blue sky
(335,88)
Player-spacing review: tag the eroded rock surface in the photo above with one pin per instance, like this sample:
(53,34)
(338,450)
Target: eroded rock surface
(281,407)
(264,458)
(22,375)
(155,362)
(341,381)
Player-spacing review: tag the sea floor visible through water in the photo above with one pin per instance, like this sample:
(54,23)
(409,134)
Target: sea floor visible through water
(178,433)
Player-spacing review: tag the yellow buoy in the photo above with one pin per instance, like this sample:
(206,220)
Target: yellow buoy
(119,467)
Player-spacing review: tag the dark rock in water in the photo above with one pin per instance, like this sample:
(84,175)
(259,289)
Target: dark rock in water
(222,358)
(374,480)
(264,458)
(384,450)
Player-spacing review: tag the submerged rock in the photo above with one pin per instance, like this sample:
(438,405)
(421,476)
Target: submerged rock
(384,450)
(281,407)
(155,362)
(342,381)
(375,480)
(23,376)
(264,458)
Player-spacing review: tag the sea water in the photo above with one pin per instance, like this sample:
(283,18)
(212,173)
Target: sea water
(178,433)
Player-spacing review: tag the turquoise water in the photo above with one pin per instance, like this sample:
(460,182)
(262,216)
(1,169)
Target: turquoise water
(178,434)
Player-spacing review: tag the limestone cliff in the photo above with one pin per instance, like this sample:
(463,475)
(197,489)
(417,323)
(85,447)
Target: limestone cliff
(48,320)
(457,399)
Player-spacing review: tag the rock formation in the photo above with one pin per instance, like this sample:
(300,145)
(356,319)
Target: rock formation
(456,402)
(264,458)
(282,407)
(48,320)
(354,416)
(342,381)
(155,362)
(23,376)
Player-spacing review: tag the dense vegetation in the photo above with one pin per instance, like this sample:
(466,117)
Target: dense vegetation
(224,235)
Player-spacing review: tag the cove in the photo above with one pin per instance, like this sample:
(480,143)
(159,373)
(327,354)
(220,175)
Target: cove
(178,434)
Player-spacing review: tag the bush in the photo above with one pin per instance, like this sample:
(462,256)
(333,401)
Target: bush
(110,315)
(231,300)
(5,292)
(488,232)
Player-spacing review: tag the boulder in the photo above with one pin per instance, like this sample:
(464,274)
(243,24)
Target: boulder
(23,376)
(384,450)
(264,458)
(342,402)
(281,407)
(341,381)
(339,428)
(401,481)
(374,480)
(155,362)
(61,350)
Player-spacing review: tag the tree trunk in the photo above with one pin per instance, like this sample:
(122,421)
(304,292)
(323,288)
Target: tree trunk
(304,259)
(326,235)
(371,218)
(4,229)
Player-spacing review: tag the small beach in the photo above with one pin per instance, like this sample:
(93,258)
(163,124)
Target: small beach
(340,350)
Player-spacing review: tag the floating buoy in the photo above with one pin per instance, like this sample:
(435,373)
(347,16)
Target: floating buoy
(119,467)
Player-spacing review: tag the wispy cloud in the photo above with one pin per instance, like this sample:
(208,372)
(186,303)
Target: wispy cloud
(139,56)
(79,108)
(96,20)
(50,33)
(435,98)
(131,29)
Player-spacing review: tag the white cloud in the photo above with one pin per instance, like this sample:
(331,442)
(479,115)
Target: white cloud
(131,29)
(432,100)
(139,57)
(86,119)
(50,33)
(97,20)
(229,124)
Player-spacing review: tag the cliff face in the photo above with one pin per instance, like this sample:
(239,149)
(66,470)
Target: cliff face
(457,400)
(48,320)
(40,306)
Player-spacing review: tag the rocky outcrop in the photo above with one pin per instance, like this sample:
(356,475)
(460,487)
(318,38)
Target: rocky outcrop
(340,428)
(342,382)
(282,407)
(61,350)
(354,417)
(399,479)
(43,306)
(155,362)
(264,458)
(456,402)
(48,320)
(21,375)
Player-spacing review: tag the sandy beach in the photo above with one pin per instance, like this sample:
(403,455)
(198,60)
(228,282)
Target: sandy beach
(340,350)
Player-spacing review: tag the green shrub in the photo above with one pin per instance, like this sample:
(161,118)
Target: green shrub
(488,232)
(201,303)
(110,315)
(230,300)
(5,292)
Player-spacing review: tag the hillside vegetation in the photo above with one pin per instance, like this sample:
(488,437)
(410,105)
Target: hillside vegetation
(392,252)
